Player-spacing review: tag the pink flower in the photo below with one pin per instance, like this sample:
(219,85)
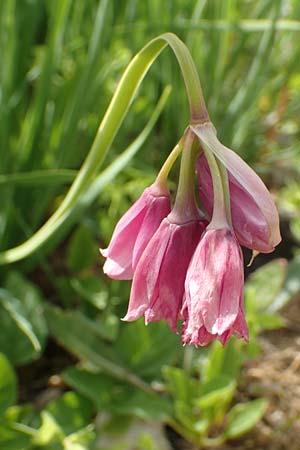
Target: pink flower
(158,282)
(248,221)
(213,305)
(134,230)
(254,215)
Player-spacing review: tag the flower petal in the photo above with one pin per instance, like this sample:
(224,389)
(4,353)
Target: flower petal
(248,221)
(246,178)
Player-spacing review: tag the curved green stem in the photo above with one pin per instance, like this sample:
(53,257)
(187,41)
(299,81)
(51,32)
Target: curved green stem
(219,216)
(198,111)
(185,207)
(108,128)
(168,164)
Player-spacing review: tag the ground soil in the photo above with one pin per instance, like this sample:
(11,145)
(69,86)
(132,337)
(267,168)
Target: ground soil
(275,374)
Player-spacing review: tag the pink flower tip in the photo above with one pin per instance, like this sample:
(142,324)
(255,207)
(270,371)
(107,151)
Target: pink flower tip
(255,218)
(158,281)
(213,305)
(134,230)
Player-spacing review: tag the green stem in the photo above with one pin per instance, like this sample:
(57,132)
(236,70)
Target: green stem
(219,217)
(226,193)
(185,207)
(168,164)
(190,75)
(108,128)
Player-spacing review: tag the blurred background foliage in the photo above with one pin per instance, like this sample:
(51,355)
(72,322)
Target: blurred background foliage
(72,376)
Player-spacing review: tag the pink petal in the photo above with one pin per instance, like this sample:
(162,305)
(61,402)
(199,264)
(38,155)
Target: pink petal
(248,221)
(157,210)
(158,282)
(247,180)
(133,232)
(213,288)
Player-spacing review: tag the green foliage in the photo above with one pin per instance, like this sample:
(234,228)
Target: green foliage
(23,325)
(243,417)
(8,384)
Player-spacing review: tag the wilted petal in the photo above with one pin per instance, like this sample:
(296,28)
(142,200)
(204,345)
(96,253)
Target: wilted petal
(213,289)
(133,232)
(158,282)
(262,235)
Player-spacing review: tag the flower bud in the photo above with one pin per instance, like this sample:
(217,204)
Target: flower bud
(213,305)
(158,282)
(134,230)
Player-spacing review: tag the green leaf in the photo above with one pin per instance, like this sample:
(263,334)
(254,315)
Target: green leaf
(130,401)
(8,384)
(91,289)
(71,412)
(81,336)
(49,431)
(182,387)
(224,360)
(82,250)
(148,348)
(97,387)
(291,285)
(120,398)
(24,329)
(243,417)
(11,439)
(269,321)
(264,285)
(218,391)
(78,334)
(214,398)
(80,440)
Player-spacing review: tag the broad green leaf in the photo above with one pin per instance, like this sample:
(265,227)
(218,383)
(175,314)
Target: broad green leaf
(25,414)
(120,398)
(81,337)
(264,285)
(182,387)
(24,329)
(71,412)
(185,415)
(214,398)
(130,401)
(8,384)
(269,321)
(15,309)
(224,361)
(291,285)
(243,417)
(91,289)
(218,391)
(11,439)
(82,250)
(49,431)
(80,440)
(97,387)
(78,334)
(147,349)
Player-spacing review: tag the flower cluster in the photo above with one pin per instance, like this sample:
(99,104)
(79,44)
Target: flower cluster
(186,264)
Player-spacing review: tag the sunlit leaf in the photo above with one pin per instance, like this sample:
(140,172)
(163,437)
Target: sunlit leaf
(243,417)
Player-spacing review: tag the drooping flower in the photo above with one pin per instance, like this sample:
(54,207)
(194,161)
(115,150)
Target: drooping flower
(254,215)
(134,230)
(248,221)
(213,305)
(158,282)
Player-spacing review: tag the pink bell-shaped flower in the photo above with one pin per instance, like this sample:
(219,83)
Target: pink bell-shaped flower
(254,215)
(213,304)
(158,282)
(134,230)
